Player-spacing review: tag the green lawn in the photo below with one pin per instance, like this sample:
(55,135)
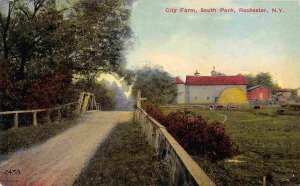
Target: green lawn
(269,145)
(14,139)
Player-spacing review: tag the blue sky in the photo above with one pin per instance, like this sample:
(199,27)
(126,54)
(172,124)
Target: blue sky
(233,42)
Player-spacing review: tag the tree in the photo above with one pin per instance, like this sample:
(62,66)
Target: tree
(6,87)
(32,44)
(5,24)
(122,101)
(263,78)
(102,44)
(155,84)
(45,45)
(251,80)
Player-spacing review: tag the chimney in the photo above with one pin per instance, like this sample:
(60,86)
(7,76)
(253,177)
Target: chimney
(214,72)
(197,73)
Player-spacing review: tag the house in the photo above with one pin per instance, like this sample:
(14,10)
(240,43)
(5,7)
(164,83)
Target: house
(283,94)
(215,89)
(298,92)
(258,92)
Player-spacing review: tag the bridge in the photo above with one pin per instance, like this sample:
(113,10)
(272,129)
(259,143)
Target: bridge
(60,159)
(87,101)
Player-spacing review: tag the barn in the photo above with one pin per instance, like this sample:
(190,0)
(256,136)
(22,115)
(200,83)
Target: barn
(258,92)
(215,89)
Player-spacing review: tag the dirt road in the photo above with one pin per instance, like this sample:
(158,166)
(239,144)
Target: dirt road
(60,159)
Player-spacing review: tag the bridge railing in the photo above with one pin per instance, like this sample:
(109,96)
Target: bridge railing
(87,101)
(183,169)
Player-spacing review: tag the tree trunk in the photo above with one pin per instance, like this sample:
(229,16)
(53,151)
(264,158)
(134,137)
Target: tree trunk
(22,69)
(5,45)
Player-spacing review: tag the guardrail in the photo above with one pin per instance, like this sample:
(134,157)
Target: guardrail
(209,107)
(87,101)
(184,170)
(34,112)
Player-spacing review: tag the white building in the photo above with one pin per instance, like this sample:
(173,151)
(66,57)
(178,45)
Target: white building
(215,89)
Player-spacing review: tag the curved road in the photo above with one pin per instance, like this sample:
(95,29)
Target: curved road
(60,159)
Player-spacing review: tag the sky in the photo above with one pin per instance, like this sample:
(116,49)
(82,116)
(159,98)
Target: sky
(234,43)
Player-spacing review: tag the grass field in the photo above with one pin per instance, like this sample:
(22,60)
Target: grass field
(269,145)
(13,139)
(125,158)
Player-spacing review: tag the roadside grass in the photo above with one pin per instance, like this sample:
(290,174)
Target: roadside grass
(269,146)
(125,158)
(14,139)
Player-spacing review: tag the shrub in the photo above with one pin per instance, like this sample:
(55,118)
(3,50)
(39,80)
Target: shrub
(156,113)
(196,134)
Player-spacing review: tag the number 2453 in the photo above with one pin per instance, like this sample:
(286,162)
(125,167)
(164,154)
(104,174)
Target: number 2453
(12,172)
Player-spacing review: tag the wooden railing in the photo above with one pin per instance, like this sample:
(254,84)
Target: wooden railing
(182,168)
(87,101)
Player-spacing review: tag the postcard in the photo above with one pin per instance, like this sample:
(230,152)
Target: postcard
(140,92)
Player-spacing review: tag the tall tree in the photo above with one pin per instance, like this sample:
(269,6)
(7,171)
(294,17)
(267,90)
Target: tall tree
(103,36)
(7,8)
(263,78)
(155,84)
(46,44)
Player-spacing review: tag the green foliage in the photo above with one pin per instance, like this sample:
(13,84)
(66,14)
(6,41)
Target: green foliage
(44,46)
(15,139)
(101,45)
(43,92)
(7,88)
(265,79)
(268,145)
(196,134)
(155,84)
(125,158)
(104,96)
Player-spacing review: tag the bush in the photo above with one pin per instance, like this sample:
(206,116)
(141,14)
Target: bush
(45,90)
(196,134)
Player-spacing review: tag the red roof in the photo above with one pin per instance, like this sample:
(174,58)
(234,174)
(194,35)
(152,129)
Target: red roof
(179,80)
(216,80)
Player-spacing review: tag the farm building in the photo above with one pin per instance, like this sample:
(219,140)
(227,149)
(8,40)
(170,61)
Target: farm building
(258,92)
(283,94)
(215,89)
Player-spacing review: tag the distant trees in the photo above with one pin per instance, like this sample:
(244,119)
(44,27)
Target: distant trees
(123,102)
(45,44)
(156,85)
(265,79)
